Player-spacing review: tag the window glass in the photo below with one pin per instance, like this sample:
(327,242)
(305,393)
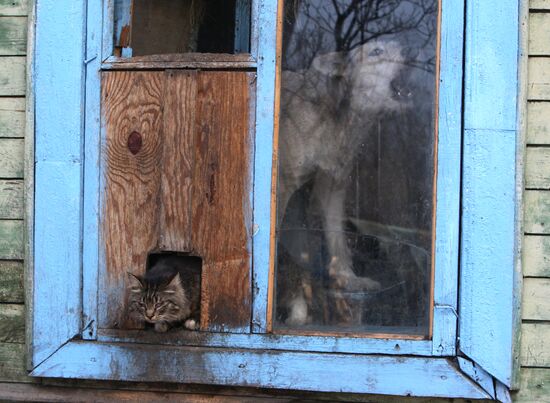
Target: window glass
(356,166)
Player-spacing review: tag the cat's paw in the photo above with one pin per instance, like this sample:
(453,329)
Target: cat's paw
(161,327)
(191,324)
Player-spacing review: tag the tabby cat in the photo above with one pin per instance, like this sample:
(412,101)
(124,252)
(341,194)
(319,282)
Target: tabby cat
(168,294)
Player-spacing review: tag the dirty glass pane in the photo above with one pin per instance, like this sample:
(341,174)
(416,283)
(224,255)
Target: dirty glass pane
(154,27)
(355,195)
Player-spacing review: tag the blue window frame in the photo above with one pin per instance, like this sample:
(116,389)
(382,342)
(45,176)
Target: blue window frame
(479,134)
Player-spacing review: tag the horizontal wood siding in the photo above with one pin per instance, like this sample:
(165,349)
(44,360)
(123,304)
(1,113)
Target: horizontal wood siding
(13,8)
(535,343)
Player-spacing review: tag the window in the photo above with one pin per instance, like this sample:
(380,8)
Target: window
(175,155)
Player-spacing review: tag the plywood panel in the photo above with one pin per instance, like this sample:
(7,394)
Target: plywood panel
(539,34)
(11,199)
(536,299)
(131,104)
(538,123)
(537,212)
(11,282)
(222,213)
(13,36)
(13,7)
(11,158)
(11,239)
(539,78)
(535,345)
(537,168)
(534,386)
(177,161)
(12,323)
(536,256)
(12,76)
(12,117)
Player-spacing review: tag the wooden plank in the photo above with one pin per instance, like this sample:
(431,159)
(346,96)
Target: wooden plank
(539,34)
(221,195)
(13,7)
(537,212)
(13,36)
(11,282)
(537,168)
(12,323)
(539,4)
(536,301)
(535,345)
(536,256)
(11,199)
(538,126)
(177,161)
(539,78)
(12,117)
(132,103)
(11,239)
(534,385)
(12,363)
(11,158)
(12,76)
(346,373)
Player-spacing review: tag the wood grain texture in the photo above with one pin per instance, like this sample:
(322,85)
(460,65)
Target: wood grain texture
(131,102)
(13,36)
(536,256)
(535,345)
(12,323)
(11,239)
(539,4)
(13,7)
(537,168)
(536,301)
(12,76)
(12,117)
(534,385)
(177,161)
(538,123)
(539,78)
(11,282)
(11,158)
(537,212)
(221,211)
(12,363)
(539,34)
(186,189)
(11,199)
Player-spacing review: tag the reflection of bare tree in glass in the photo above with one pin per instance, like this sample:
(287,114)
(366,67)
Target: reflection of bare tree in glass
(357,82)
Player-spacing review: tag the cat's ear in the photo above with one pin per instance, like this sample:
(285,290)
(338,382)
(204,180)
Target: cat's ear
(173,285)
(136,283)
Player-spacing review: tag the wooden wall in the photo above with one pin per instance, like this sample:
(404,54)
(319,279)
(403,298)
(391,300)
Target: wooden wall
(15,385)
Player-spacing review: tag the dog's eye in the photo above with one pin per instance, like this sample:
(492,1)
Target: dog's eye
(376,52)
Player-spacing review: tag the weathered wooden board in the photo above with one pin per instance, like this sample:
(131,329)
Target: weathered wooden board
(13,36)
(12,117)
(539,78)
(539,4)
(12,76)
(12,323)
(11,199)
(537,212)
(13,7)
(11,158)
(535,345)
(12,363)
(536,256)
(11,239)
(537,168)
(11,282)
(539,34)
(221,210)
(536,299)
(534,386)
(186,189)
(132,104)
(538,123)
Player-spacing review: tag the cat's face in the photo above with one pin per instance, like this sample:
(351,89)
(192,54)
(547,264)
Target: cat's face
(154,303)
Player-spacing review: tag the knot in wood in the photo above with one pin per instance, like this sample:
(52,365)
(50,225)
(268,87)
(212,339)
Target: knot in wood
(135,142)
